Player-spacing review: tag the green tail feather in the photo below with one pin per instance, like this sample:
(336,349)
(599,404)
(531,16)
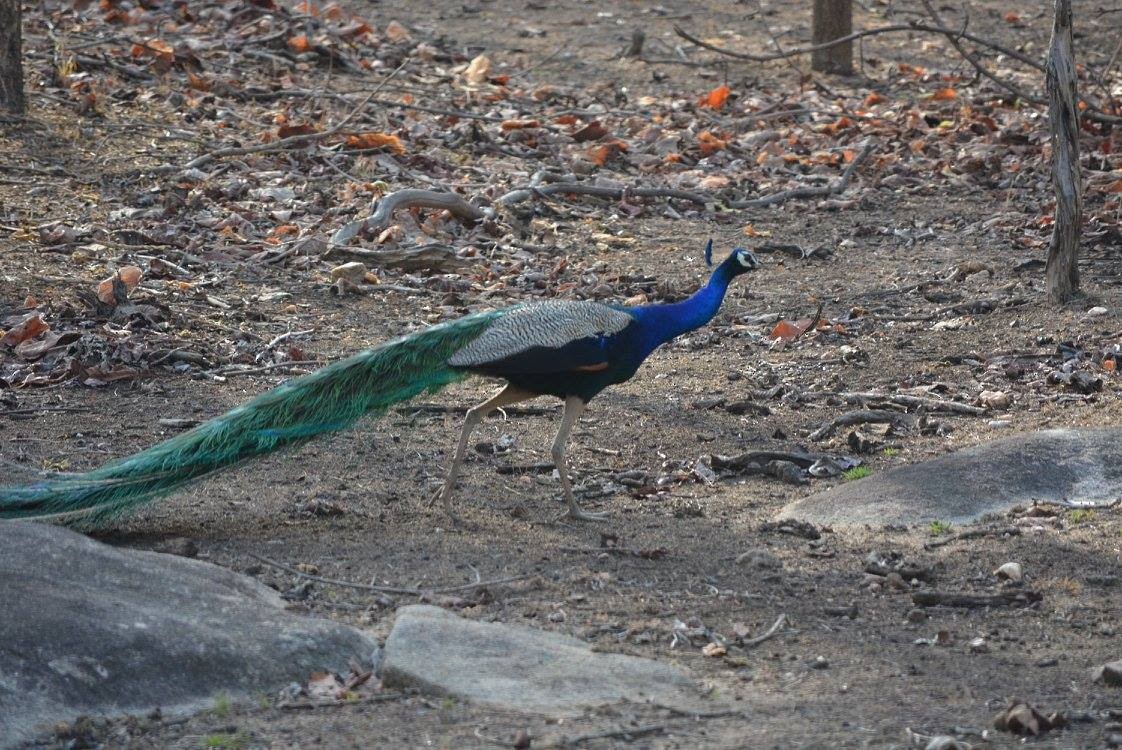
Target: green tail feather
(327,400)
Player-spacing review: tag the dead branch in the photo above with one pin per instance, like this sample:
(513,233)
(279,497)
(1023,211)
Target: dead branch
(409,198)
(767,634)
(915,402)
(599,191)
(382,589)
(973,601)
(837,186)
(863,416)
(644,554)
(913,27)
(973,534)
(291,141)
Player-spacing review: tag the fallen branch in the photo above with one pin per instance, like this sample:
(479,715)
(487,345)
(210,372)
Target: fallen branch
(767,634)
(837,186)
(863,416)
(383,589)
(973,601)
(409,198)
(600,191)
(645,554)
(973,534)
(916,402)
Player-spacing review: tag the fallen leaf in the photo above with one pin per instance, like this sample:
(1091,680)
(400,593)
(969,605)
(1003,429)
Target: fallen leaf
(376,140)
(751,231)
(395,32)
(520,124)
(325,686)
(299,44)
(716,98)
(599,155)
(286,131)
(127,276)
(478,70)
(28,328)
(593,131)
(710,144)
(874,98)
(1011,17)
(944,95)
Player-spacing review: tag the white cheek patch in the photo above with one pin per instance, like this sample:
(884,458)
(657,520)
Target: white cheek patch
(742,259)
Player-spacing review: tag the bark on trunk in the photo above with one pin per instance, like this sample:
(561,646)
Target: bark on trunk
(833,19)
(1062,272)
(11,58)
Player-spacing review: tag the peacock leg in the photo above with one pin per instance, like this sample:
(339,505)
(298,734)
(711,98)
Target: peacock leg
(574,407)
(507,396)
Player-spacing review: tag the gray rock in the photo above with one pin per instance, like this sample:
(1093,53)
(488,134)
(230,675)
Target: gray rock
(92,629)
(1079,465)
(523,669)
(1109,674)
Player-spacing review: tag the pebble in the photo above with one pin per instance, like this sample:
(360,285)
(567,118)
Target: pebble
(1109,674)
(1010,571)
(979,646)
(916,615)
(354,272)
(759,558)
(1096,312)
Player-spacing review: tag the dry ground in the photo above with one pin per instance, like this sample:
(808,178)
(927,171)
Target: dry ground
(877,683)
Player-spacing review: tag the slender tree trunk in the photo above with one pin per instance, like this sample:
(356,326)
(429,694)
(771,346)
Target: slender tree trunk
(1062,272)
(11,58)
(833,19)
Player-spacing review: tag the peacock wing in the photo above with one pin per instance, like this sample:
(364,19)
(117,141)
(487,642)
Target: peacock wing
(545,337)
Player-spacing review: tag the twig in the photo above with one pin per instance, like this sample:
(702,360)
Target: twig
(284,143)
(383,589)
(972,534)
(408,198)
(837,186)
(916,402)
(600,191)
(972,601)
(645,554)
(767,634)
(914,26)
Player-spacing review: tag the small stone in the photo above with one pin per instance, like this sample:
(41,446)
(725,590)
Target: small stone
(820,662)
(714,650)
(979,646)
(916,615)
(557,616)
(1096,312)
(353,272)
(308,568)
(896,581)
(1109,674)
(1010,571)
(994,399)
(759,558)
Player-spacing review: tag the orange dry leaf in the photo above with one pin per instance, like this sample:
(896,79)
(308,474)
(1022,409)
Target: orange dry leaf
(593,131)
(520,124)
(1114,187)
(789,330)
(395,32)
(715,99)
(874,98)
(1110,365)
(299,44)
(198,83)
(944,95)
(710,144)
(840,124)
(751,231)
(599,155)
(1012,17)
(565,120)
(376,140)
(287,131)
(127,275)
(28,328)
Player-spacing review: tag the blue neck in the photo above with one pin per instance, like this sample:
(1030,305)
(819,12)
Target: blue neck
(661,323)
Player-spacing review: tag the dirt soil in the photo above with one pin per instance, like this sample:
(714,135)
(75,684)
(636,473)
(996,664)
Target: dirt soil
(856,664)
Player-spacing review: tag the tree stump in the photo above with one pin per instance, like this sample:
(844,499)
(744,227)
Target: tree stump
(1062,272)
(833,19)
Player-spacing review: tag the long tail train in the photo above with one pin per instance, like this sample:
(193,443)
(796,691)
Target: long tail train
(327,400)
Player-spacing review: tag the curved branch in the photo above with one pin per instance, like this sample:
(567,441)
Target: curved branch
(599,191)
(409,198)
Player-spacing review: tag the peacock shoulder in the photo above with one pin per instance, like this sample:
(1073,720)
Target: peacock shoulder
(550,324)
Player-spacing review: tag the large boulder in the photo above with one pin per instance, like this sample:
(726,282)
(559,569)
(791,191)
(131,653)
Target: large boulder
(521,668)
(1075,465)
(93,629)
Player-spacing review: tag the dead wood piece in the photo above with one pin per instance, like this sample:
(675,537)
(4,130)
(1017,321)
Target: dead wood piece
(644,554)
(837,186)
(973,601)
(1062,271)
(907,572)
(862,416)
(408,198)
(434,258)
(767,634)
(755,462)
(973,534)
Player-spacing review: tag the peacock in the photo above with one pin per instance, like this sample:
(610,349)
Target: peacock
(568,349)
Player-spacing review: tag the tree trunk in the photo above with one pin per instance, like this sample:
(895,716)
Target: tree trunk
(11,59)
(1062,272)
(833,19)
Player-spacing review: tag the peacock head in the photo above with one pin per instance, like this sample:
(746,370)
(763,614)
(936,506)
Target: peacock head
(739,260)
